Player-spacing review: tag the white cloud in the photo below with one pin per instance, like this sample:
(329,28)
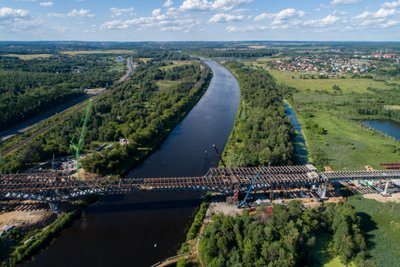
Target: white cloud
(208,5)
(168,3)
(221,17)
(281,15)
(391,4)
(379,19)
(82,13)
(156,12)
(249,28)
(56,15)
(118,12)
(7,13)
(46,4)
(328,20)
(171,20)
(381,13)
(343,2)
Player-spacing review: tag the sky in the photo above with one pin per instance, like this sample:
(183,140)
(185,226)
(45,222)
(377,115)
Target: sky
(200,20)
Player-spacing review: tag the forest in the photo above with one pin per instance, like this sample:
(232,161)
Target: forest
(237,53)
(28,87)
(285,237)
(136,110)
(262,133)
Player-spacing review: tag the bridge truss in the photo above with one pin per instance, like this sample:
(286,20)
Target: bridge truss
(54,186)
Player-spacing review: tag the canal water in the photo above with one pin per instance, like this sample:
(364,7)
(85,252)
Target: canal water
(389,127)
(141,229)
(300,142)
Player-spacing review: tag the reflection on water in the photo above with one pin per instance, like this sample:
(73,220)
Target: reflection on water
(389,127)
(300,142)
(143,228)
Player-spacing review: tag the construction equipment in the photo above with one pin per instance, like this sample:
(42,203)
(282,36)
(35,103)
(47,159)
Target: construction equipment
(244,202)
(78,146)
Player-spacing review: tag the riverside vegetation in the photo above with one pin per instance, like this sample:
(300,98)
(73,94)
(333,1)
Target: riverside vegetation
(262,132)
(285,238)
(137,110)
(29,87)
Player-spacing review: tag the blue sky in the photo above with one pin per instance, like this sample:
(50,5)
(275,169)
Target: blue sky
(181,20)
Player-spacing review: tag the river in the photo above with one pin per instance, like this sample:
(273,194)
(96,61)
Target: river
(389,127)
(141,228)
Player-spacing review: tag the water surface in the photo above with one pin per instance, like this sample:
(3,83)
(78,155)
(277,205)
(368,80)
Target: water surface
(389,127)
(141,229)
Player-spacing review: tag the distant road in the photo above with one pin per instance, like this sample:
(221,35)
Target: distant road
(131,69)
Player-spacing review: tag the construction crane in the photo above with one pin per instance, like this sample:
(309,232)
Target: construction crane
(244,202)
(78,146)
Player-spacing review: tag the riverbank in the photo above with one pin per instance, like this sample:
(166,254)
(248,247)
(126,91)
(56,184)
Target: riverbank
(26,243)
(137,158)
(262,133)
(151,224)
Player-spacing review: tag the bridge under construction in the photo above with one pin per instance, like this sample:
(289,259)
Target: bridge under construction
(54,186)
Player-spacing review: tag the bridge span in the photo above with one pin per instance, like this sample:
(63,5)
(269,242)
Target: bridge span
(55,186)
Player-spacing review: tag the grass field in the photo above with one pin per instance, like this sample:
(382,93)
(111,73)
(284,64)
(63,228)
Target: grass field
(86,52)
(381,223)
(321,255)
(177,63)
(29,56)
(329,125)
(347,85)
(166,84)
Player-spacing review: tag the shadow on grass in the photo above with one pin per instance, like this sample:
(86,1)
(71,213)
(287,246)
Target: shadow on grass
(320,254)
(367,226)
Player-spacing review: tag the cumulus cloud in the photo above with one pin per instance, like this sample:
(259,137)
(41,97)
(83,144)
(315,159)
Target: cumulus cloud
(171,20)
(343,2)
(221,17)
(46,4)
(328,20)
(118,12)
(168,3)
(382,18)
(281,15)
(82,13)
(208,5)
(381,13)
(389,5)
(8,13)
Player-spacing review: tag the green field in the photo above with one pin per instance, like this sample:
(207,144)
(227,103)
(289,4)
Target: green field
(28,56)
(381,224)
(331,123)
(166,84)
(177,63)
(86,52)
(347,85)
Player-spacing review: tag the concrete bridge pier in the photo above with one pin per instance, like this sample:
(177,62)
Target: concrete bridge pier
(385,192)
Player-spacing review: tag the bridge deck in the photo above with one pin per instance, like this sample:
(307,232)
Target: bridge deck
(54,184)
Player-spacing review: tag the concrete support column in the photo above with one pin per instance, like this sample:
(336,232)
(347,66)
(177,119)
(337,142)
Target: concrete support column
(385,192)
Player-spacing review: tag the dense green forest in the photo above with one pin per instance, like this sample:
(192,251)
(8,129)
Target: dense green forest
(284,238)
(28,87)
(262,132)
(237,53)
(137,110)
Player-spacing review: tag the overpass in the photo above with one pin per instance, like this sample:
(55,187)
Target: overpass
(55,186)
